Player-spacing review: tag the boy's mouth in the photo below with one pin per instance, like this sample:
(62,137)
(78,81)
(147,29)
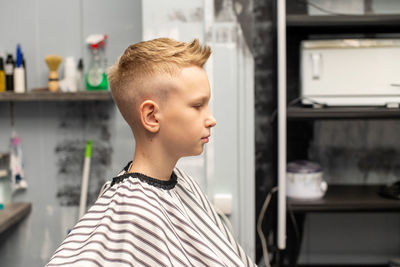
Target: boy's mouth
(205,139)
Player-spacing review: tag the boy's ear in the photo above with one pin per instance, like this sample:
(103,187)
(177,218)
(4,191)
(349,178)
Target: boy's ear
(149,113)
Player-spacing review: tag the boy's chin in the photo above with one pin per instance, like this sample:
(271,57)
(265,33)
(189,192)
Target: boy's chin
(194,153)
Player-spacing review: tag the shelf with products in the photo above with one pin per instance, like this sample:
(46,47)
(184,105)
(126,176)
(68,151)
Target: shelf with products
(296,126)
(45,95)
(346,21)
(310,113)
(347,198)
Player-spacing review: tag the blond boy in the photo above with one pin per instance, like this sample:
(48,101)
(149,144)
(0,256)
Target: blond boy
(152,213)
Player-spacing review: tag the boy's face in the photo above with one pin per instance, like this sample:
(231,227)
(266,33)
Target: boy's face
(187,119)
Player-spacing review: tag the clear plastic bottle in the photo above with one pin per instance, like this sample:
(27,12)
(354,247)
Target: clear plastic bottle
(96,78)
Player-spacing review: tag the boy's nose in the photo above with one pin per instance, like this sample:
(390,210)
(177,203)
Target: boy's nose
(211,122)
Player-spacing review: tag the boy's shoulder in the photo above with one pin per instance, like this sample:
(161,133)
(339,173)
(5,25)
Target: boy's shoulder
(192,189)
(186,180)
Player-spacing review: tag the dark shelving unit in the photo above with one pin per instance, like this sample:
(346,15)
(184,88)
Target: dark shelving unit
(303,20)
(302,25)
(366,26)
(347,198)
(310,113)
(42,95)
(301,118)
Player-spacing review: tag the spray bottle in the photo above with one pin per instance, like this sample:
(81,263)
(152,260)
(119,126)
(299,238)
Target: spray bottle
(96,78)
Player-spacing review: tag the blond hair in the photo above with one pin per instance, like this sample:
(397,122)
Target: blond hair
(130,75)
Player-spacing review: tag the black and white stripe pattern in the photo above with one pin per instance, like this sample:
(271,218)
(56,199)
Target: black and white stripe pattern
(135,223)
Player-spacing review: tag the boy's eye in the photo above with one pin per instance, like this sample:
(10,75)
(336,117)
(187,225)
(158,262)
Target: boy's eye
(197,106)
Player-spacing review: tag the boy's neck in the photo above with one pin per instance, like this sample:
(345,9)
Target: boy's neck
(152,164)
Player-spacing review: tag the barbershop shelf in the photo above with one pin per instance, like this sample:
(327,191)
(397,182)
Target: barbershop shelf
(347,198)
(309,113)
(44,95)
(366,23)
(12,214)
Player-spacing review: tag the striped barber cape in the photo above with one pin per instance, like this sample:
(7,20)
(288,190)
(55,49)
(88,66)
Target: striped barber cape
(141,221)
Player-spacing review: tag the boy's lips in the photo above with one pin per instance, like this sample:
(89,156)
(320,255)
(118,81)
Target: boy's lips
(205,139)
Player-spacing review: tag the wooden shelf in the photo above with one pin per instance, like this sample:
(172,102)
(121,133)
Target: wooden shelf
(343,198)
(12,214)
(57,96)
(309,113)
(301,20)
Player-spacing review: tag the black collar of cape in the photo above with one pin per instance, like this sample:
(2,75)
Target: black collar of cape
(147,179)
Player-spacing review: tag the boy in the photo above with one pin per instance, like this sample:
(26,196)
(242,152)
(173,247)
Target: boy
(152,213)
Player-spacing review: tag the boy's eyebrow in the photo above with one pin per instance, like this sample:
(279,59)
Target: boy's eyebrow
(201,99)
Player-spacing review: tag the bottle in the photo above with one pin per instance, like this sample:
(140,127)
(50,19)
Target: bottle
(24,66)
(9,72)
(80,80)
(19,73)
(68,84)
(96,78)
(16,164)
(2,76)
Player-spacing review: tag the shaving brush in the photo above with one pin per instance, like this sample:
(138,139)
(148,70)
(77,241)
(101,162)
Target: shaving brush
(53,62)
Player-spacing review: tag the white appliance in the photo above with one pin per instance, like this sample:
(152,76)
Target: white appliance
(351,72)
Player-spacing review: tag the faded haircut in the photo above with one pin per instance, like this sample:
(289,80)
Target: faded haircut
(130,75)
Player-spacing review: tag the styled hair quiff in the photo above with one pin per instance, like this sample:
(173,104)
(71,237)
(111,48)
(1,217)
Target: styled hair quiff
(130,75)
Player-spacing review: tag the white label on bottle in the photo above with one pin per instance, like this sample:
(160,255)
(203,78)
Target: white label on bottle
(8,69)
(19,80)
